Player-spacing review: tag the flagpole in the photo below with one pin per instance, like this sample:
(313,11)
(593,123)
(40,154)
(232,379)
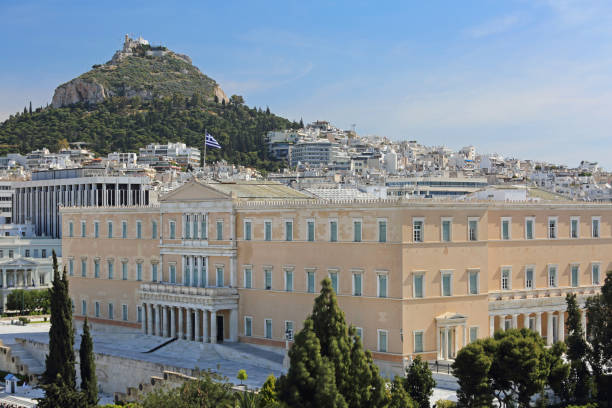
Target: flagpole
(205,148)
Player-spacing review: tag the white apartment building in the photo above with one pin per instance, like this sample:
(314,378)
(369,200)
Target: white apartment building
(177,152)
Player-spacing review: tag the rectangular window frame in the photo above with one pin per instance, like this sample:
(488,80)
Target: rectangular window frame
(505,284)
(596,231)
(171,229)
(449,221)
(248,326)
(96,229)
(357,277)
(418,235)
(530,284)
(267,230)
(357,229)
(109,229)
(473,232)
(124,229)
(219,227)
(382,229)
(382,347)
(248,277)
(289,279)
(574,270)
(311,285)
(288,224)
(444,273)
(552,283)
(138,229)
(333,229)
(505,235)
(595,266)
(472,272)
(552,233)
(415,275)
(268,334)
(379,292)
(529,221)
(248,229)
(421,334)
(575,231)
(311,230)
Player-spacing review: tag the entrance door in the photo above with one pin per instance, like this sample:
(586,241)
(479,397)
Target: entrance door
(220,329)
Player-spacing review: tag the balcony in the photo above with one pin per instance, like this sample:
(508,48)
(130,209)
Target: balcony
(173,294)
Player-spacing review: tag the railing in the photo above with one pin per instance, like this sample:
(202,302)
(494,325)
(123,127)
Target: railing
(542,292)
(172,288)
(440,367)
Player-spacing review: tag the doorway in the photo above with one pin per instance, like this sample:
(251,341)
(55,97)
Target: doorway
(220,330)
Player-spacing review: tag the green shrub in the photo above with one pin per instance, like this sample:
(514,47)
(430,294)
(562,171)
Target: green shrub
(445,404)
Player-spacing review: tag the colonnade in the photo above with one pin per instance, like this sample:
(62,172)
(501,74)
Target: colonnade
(191,323)
(20,278)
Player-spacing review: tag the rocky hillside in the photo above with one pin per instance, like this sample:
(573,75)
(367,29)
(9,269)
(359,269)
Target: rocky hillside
(139,70)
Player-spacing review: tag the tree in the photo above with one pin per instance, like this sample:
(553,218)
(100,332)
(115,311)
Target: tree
(579,383)
(399,397)
(310,381)
(471,368)
(419,382)
(268,393)
(367,382)
(89,382)
(242,375)
(58,394)
(599,333)
(60,360)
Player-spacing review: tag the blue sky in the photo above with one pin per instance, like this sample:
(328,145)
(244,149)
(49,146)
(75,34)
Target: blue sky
(525,78)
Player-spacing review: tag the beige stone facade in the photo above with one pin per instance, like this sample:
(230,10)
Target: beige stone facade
(244,262)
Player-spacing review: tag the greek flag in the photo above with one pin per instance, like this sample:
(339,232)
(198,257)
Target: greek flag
(211,141)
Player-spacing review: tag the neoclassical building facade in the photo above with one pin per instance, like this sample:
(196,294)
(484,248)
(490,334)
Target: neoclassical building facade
(244,261)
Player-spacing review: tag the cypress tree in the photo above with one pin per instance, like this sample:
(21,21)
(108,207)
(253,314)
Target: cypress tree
(368,387)
(60,360)
(579,381)
(89,382)
(419,382)
(310,382)
(399,396)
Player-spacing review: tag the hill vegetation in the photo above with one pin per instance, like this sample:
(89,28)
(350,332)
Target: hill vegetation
(124,124)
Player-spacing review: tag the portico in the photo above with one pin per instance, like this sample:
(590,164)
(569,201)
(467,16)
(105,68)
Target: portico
(23,273)
(451,334)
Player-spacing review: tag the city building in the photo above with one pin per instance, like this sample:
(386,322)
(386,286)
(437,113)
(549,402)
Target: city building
(37,201)
(244,261)
(161,157)
(314,153)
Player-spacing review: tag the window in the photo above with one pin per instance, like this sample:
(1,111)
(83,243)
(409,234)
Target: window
(268,328)
(195,226)
(35,253)
(96,229)
(111,311)
(418,341)
(248,326)
(43,253)
(574,227)
(382,231)
(529,275)
(220,282)
(96,268)
(138,229)
(333,231)
(552,227)
(154,272)
(447,279)
(288,230)
(204,274)
(359,332)
(310,277)
(289,280)
(357,283)
(575,271)
(153,229)
(595,222)
(506,279)
(71,267)
(473,281)
(472,229)
(139,314)
(83,229)
(123,229)
(71,229)
(446,230)
(268,230)
(124,312)
(187,232)
(288,330)
(357,231)
(27,253)
(84,307)
(247,230)
(83,268)
(172,273)
(124,270)
(417,230)
(382,285)
(172,230)
(12,253)
(505,228)
(333,276)
(311,230)
(186,275)
(110,229)
(473,334)
(97,309)
(552,276)
(268,279)
(111,267)
(139,271)
(417,285)
(219,230)
(203,229)
(248,278)
(529,224)
(382,341)
(595,273)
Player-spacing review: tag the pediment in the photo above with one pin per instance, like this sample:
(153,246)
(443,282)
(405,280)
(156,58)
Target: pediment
(18,263)
(193,191)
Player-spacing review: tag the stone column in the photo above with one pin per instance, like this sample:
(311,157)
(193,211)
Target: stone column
(172,322)
(197,322)
(189,324)
(4,279)
(143,321)
(213,326)
(180,321)
(160,321)
(539,323)
(233,271)
(515,321)
(549,328)
(204,326)
(156,324)
(233,322)
(583,320)
(149,319)
(446,351)
(166,321)
(465,339)
(526,320)
(438,343)
(502,322)
(561,335)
